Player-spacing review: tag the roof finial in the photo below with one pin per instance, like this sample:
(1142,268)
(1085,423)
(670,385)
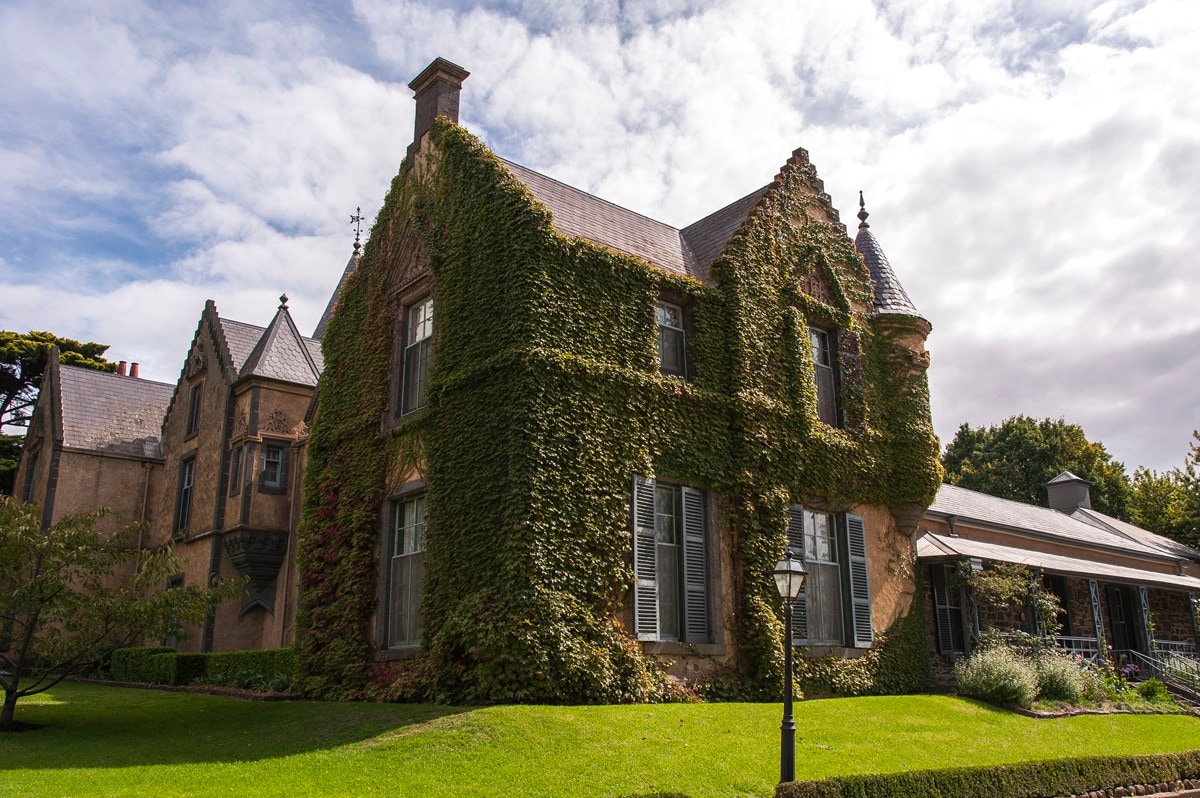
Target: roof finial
(862,212)
(356,220)
(283,301)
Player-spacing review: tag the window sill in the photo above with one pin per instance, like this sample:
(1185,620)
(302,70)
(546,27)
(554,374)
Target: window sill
(685,649)
(398,654)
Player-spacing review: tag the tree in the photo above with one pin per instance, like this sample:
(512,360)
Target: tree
(23,358)
(1189,513)
(1017,457)
(1157,502)
(70,596)
(10,456)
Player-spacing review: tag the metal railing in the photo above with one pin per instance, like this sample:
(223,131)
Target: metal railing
(1086,647)
(1178,670)
(1186,648)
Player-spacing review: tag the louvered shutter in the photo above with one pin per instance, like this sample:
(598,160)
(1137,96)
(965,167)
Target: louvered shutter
(645,561)
(860,585)
(941,604)
(695,568)
(795,538)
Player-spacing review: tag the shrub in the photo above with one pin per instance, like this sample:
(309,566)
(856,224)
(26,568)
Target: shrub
(997,675)
(1060,777)
(1092,684)
(1059,678)
(1154,690)
(267,670)
(134,664)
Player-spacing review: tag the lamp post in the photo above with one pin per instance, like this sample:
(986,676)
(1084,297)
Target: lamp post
(789,578)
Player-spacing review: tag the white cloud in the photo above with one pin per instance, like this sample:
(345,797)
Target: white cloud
(1028,164)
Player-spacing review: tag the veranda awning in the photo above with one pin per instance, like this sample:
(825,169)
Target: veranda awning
(932,547)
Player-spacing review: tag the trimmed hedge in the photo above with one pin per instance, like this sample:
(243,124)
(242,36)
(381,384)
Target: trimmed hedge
(1024,780)
(267,670)
(134,664)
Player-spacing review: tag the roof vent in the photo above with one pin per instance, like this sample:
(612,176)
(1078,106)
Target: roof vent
(1069,493)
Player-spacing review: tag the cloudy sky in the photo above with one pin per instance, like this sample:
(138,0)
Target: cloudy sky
(1031,166)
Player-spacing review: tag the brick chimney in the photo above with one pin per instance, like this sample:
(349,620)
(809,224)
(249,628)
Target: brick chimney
(121,368)
(1069,493)
(436,92)
(133,370)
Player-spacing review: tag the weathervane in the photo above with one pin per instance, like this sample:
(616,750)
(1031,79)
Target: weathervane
(356,220)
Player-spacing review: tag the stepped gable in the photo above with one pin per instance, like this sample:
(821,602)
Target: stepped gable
(112,414)
(890,296)
(281,353)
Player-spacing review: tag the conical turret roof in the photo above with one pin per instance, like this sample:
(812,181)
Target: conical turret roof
(890,296)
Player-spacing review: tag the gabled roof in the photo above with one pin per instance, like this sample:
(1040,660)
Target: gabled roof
(112,414)
(890,296)
(1144,536)
(969,505)
(351,267)
(577,214)
(281,353)
(931,546)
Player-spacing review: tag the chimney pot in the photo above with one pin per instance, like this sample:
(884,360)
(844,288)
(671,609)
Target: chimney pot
(133,370)
(121,367)
(436,92)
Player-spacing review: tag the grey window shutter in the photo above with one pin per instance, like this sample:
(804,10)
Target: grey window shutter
(860,587)
(645,561)
(695,568)
(941,603)
(795,538)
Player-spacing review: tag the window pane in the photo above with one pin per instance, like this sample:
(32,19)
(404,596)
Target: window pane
(406,572)
(670,316)
(823,588)
(420,321)
(670,351)
(820,346)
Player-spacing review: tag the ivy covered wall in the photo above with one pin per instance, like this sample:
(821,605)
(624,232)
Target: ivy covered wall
(545,399)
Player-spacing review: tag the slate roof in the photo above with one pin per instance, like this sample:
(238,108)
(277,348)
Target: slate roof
(690,251)
(890,297)
(1042,521)
(243,339)
(351,267)
(931,546)
(103,412)
(1144,536)
(282,353)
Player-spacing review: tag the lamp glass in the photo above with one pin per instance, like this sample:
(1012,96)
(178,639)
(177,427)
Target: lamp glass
(789,577)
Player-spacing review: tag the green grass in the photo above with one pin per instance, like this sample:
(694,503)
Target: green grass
(107,741)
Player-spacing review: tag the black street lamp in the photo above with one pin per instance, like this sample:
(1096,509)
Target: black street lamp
(789,578)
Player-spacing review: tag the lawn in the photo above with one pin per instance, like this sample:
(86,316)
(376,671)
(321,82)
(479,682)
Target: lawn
(107,741)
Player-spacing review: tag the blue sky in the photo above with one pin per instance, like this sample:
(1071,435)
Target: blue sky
(1030,165)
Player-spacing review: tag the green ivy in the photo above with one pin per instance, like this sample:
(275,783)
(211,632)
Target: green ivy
(544,399)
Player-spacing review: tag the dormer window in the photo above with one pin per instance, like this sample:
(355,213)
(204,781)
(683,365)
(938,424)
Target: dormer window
(826,377)
(672,349)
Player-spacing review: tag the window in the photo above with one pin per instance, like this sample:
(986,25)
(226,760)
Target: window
(273,478)
(826,378)
(183,505)
(235,470)
(405,572)
(671,340)
(834,607)
(670,562)
(418,352)
(193,416)
(30,475)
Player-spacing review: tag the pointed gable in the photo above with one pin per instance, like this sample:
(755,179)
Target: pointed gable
(282,353)
(351,267)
